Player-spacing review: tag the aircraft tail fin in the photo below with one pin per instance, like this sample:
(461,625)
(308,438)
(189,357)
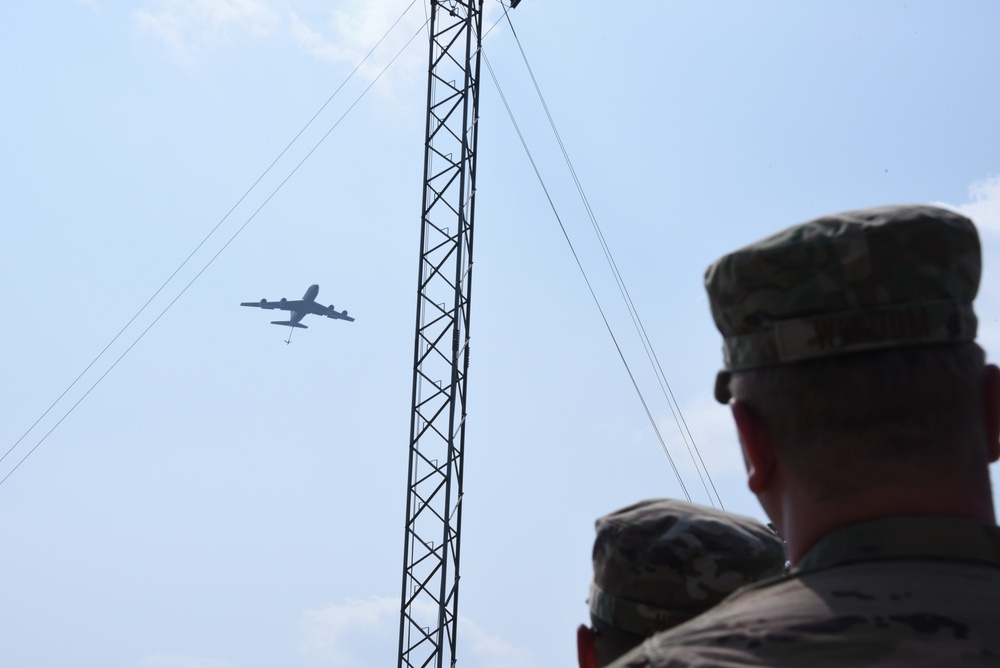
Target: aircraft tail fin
(289,323)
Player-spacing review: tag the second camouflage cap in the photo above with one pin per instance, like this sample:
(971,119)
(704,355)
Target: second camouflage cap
(660,562)
(860,280)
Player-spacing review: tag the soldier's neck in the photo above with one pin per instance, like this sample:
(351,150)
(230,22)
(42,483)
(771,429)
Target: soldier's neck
(804,521)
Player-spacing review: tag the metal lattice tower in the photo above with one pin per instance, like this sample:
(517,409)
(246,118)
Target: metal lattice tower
(429,601)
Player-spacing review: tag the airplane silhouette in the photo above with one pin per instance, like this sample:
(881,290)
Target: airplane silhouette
(300,308)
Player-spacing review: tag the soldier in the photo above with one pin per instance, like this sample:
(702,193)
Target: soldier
(867,418)
(659,563)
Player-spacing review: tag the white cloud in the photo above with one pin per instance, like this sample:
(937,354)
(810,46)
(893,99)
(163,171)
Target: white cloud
(189,26)
(489,651)
(179,661)
(712,429)
(364,634)
(344,35)
(714,434)
(356,634)
(354,30)
(983,206)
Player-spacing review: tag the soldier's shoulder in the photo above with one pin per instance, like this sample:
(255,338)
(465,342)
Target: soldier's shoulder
(857,615)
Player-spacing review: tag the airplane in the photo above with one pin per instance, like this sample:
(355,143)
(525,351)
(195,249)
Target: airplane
(300,308)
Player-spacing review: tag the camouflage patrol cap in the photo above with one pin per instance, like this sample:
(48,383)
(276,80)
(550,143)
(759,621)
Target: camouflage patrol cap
(850,282)
(660,562)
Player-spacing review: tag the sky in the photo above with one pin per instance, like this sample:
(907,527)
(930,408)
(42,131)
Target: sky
(195,493)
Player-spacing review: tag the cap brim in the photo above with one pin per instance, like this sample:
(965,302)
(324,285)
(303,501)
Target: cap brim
(722,393)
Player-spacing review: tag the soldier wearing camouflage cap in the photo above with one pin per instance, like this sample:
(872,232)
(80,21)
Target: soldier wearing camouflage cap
(867,418)
(661,562)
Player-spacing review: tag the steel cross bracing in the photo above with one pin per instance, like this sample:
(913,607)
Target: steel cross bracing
(429,600)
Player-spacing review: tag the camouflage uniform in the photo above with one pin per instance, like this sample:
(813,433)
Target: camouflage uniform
(893,591)
(660,562)
(899,591)
(856,281)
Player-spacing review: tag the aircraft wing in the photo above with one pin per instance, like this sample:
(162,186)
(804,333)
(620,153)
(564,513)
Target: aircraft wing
(329,312)
(340,316)
(284,304)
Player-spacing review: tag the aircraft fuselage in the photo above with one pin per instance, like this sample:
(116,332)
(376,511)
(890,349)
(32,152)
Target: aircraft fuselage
(309,296)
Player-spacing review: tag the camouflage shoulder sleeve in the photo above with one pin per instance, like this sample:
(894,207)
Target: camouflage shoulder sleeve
(883,613)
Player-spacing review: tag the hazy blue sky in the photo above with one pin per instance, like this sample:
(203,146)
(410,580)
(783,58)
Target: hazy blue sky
(222,500)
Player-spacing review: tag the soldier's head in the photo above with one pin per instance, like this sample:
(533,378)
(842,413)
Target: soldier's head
(661,562)
(849,342)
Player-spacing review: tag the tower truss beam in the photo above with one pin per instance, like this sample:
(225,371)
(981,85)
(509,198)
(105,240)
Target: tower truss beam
(432,541)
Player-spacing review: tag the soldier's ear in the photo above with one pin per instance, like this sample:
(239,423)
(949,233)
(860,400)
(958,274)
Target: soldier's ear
(991,396)
(586,652)
(758,453)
